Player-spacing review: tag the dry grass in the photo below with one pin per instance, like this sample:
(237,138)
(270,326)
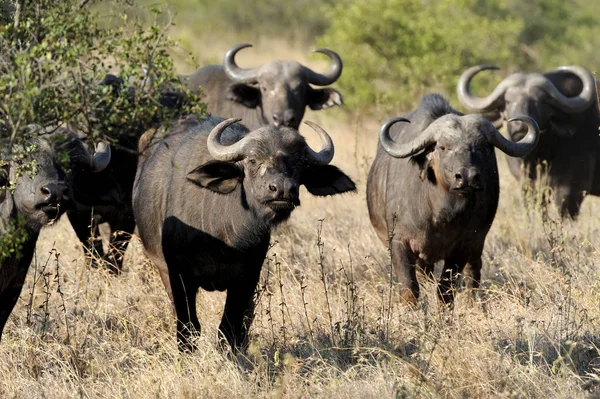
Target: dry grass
(531,332)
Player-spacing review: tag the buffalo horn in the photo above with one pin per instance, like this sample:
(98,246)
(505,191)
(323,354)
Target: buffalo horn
(220,152)
(235,73)
(427,138)
(577,103)
(101,157)
(484,104)
(523,146)
(324,156)
(335,70)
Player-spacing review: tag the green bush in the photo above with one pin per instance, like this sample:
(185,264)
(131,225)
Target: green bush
(394,51)
(53,54)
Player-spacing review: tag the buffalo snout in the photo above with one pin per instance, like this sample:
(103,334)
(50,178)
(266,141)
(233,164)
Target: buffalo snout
(51,193)
(281,189)
(467,179)
(286,118)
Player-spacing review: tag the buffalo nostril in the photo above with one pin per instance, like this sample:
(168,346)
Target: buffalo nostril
(272,187)
(290,121)
(458,177)
(476,179)
(45,190)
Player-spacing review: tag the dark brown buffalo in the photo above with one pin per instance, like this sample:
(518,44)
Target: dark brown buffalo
(433,189)
(35,202)
(206,197)
(564,104)
(105,197)
(276,93)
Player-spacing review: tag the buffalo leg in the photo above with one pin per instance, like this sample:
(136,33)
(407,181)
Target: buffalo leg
(10,295)
(184,299)
(472,273)
(238,314)
(447,285)
(426,268)
(87,231)
(570,204)
(404,263)
(119,240)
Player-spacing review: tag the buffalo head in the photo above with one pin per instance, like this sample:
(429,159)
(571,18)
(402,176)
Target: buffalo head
(270,164)
(459,149)
(42,177)
(547,98)
(282,88)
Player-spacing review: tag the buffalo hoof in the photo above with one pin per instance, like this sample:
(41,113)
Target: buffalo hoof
(408,297)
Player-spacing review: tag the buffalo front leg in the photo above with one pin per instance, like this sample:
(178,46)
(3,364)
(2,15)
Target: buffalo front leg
(447,285)
(472,273)
(238,314)
(88,233)
(10,288)
(404,264)
(119,240)
(184,291)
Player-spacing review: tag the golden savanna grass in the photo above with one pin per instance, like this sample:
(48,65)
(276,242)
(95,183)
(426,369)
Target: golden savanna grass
(328,321)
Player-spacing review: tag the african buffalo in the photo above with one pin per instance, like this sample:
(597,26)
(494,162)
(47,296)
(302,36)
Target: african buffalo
(276,93)
(432,191)
(206,197)
(105,197)
(35,202)
(564,104)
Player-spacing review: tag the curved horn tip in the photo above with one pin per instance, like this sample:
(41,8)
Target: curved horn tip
(392,121)
(240,46)
(311,124)
(524,118)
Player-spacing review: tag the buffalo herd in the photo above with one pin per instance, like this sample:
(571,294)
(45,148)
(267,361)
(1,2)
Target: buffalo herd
(206,192)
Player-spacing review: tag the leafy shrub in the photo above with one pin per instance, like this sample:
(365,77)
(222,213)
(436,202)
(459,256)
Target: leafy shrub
(396,50)
(53,54)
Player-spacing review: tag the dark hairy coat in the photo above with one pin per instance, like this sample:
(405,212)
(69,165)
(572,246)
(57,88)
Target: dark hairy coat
(564,103)
(206,222)
(276,93)
(435,198)
(36,201)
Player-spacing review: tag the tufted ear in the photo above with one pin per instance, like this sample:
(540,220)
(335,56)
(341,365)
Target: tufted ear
(425,162)
(244,94)
(323,98)
(217,176)
(324,180)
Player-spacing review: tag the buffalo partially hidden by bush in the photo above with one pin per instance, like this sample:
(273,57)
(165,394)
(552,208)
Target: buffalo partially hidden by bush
(40,194)
(433,189)
(206,197)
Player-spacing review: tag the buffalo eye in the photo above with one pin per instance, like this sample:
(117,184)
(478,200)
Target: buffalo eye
(252,161)
(263,89)
(442,148)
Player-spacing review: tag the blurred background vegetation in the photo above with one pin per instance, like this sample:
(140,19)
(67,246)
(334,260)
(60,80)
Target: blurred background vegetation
(395,51)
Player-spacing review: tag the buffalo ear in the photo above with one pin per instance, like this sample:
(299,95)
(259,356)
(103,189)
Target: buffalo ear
(324,180)
(563,129)
(323,98)
(424,162)
(217,176)
(244,94)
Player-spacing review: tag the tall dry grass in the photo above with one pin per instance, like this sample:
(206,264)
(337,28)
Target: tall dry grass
(327,323)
